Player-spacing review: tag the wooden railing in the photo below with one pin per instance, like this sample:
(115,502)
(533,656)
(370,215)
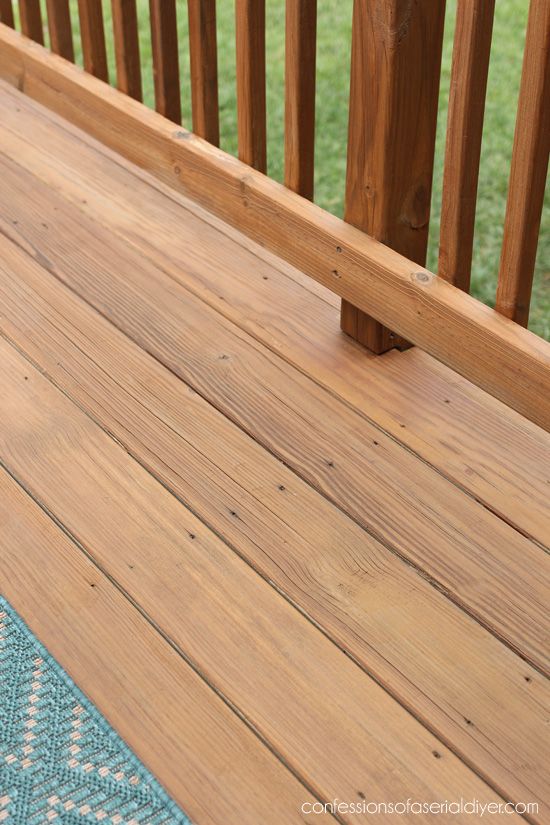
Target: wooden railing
(394,86)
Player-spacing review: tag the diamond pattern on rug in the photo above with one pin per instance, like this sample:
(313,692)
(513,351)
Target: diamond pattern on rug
(60,760)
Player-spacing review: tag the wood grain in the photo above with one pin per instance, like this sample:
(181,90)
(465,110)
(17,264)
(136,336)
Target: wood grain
(59,28)
(205,756)
(490,350)
(251,105)
(203,57)
(528,171)
(470,67)
(479,561)
(30,16)
(164,43)
(6,13)
(126,42)
(294,686)
(92,36)
(217,470)
(395,67)
(445,420)
(300,53)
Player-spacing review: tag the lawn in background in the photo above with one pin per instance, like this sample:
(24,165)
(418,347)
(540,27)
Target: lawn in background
(334,27)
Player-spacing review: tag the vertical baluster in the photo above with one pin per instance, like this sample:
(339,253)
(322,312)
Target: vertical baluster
(528,170)
(59,27)
(126,39)
(251,108)
(470,67)
(6,13)
(395,70)
(92,35)
(204,69)
(31,20)
(164,38)
(300,49)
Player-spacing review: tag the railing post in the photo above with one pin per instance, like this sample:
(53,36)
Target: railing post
(394,88)
(6,13)
(528,170)
(251,92)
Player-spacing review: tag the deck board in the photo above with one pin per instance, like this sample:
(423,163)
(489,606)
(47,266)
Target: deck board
(368,600)
(206,758)
(296,478)
(479,560)
(246,640)
(495,454)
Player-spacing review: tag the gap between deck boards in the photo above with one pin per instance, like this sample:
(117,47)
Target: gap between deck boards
(512,505)
(113,348)
(456,518)
(208,757)
(243,637)
(174,293)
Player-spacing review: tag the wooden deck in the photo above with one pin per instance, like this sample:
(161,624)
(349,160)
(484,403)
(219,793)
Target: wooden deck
(284,569)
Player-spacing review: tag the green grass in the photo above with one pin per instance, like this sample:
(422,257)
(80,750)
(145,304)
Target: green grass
(334,29)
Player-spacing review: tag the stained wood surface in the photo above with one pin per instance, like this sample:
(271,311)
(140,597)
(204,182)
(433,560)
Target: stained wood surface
(395,67)
(445,420)
(319,437)
(470,67)
(59,28)
(468,675)
(92,35)
(300,53)
(164,43)
(31,19)
(509,362)
(251,105)
(206,758)
(408,666)
(6,13)
(528,171)
(126,43)
(295,687)
(204,69)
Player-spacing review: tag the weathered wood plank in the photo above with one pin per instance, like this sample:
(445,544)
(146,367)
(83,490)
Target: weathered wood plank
(395,67)
(447,421)
(470,67)
(210,464)
(126,39)
(203,754)
(300,53)
(164,42)
(490,350)
(528,171)
(288,680)
(251,105)
(473,556)
(92,36)
(203,58)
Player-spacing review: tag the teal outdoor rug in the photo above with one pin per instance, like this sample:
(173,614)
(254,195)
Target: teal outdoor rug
(60,761)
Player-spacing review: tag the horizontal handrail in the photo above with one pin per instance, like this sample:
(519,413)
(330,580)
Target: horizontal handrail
(394,93)
(498,355)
